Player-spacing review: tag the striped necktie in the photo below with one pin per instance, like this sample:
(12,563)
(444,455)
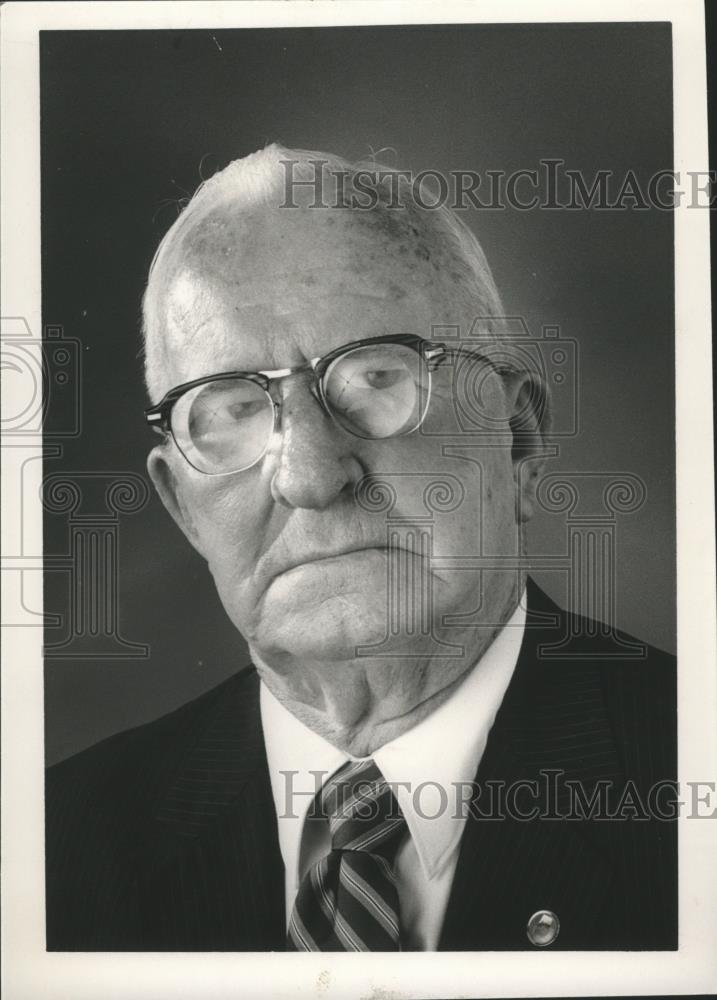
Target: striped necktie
(348,901)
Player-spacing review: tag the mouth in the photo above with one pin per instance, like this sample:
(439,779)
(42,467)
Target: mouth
(361,555)
(331,556)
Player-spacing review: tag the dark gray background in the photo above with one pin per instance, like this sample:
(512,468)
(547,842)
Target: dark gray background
(132,121)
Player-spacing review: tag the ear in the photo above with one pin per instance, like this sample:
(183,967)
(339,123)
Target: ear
(168,487)
(530,423)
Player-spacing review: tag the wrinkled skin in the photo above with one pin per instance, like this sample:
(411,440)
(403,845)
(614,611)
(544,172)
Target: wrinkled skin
(299,564)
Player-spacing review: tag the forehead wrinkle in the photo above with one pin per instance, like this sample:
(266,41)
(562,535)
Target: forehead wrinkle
(190,290)
(267,295)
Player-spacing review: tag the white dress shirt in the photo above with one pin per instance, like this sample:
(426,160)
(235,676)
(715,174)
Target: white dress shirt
(428,763)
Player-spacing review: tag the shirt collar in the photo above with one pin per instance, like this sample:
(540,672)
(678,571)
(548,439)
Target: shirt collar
(426,765)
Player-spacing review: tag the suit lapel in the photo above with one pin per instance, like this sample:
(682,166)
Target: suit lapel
(214,874)
(552,719)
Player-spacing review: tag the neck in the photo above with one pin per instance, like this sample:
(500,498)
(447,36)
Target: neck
(360,704)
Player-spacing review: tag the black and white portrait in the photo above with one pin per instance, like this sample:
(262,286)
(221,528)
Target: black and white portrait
(362,494)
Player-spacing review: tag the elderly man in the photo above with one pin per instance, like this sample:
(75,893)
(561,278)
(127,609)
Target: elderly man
(402,764)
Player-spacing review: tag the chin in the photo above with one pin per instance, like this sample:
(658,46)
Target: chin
(332,631)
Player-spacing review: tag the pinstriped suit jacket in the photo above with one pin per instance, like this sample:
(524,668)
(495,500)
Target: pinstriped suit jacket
(164,838)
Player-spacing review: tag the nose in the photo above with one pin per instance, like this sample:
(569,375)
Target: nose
(316,461)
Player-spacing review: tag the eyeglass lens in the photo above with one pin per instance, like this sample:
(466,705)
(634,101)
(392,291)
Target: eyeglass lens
(375,391)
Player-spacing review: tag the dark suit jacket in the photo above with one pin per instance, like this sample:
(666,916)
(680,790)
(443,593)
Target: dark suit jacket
(165,837)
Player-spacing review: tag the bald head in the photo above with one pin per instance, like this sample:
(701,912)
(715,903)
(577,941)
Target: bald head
(247,282)
(256,229)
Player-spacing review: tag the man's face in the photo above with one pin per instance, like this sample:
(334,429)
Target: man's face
(300,564)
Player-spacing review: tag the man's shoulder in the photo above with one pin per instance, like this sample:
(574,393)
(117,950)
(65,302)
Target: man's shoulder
(135,763)
(583,669)
(130,820)
(629,667)
(566,639)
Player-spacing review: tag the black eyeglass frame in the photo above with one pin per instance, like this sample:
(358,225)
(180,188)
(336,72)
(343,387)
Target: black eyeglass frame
(159,416)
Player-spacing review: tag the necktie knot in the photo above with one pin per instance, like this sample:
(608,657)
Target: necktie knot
(362,811)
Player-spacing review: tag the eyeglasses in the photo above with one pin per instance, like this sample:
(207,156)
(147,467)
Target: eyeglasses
(376,388)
